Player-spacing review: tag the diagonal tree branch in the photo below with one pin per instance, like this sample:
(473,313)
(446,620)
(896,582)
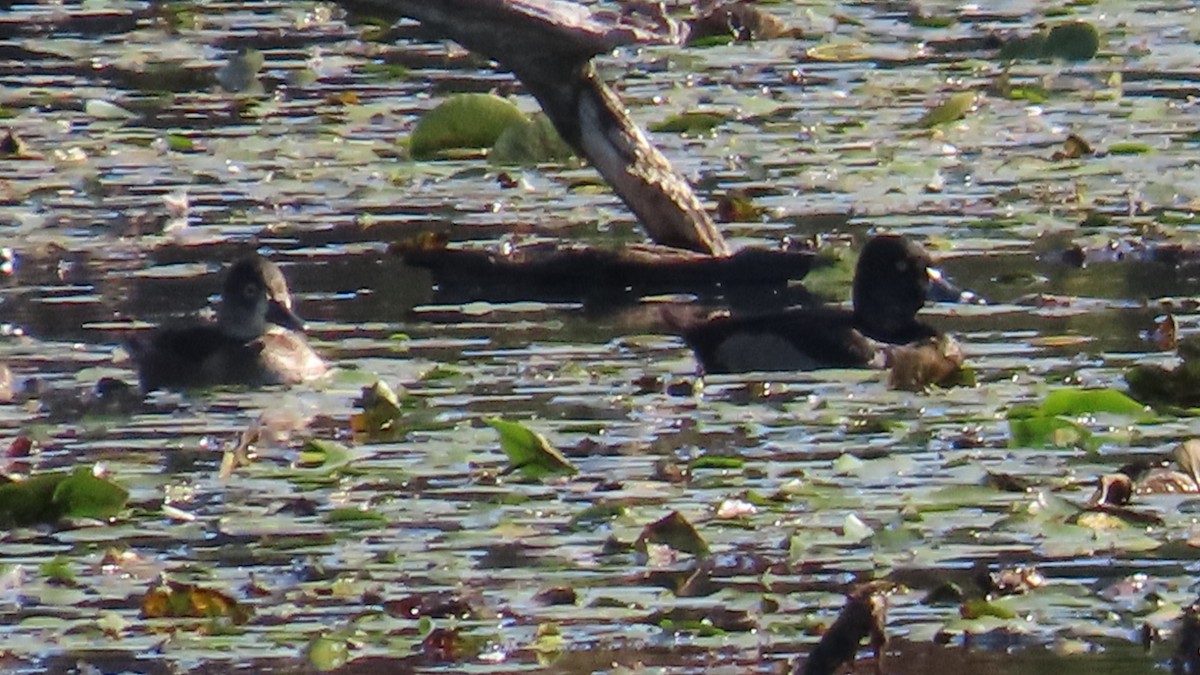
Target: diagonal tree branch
(548,45)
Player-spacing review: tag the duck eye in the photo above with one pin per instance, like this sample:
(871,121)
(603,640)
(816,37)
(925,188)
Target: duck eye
(250,291)
(901,266)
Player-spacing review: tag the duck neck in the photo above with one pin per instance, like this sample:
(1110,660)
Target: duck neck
(240,323)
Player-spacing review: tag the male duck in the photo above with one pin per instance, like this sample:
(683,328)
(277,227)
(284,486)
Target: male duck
(891,282)
(255,340)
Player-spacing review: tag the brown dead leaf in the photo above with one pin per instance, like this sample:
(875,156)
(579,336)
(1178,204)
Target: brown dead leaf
(175,600)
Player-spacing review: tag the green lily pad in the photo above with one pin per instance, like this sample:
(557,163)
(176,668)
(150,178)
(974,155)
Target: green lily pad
(918,20)
(720,463)
(48,497)
(534,142)
(1089,401)
(950,110)
(180,143)
(380,411)
(838,52)
(328,652)
(1048,425)
(464,121)
(1040,431)
(323,455)
(529,452)
(1130,148)
(691,123)
(674,531)
(979,607)
(1073,41)
(596,515)
(352,515)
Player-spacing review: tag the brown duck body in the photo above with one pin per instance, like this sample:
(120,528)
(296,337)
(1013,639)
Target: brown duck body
(254,342)
(197,357)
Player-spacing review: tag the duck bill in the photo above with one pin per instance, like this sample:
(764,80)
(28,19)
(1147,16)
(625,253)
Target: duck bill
(942,289)
(282,315)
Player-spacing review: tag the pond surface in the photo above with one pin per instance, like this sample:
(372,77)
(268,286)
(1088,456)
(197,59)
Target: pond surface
(124,112)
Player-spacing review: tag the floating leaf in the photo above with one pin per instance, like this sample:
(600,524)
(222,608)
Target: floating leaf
(1034,94)
(919,20)
(710,41)
(1029,47)
(1047,424)
(839,52)
(714,462)
(1040,431)
(240,73)
(58,570)
(430,605)
(847,465)
(174,600)
(854,529)
(740,21)
(1073,148)
(464,121)
(953,108)
(736,206)
(1073,41)
(1130,148)
(323,455)
(691,123)
(1015,580)
(352,515)
(380,410)
(85,495)
(11,146)
(896,539)
(328,652)
(1077,402)
(596,515)
(49,497)
(980,607)
(549,642)
(674,531)
(920,365)
(533,142)
(1100,520)
(447,644)
(529,452)
(103,110)
(385,72)
(441,372)
(180,143)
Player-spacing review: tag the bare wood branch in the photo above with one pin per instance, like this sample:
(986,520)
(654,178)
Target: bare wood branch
(548,45)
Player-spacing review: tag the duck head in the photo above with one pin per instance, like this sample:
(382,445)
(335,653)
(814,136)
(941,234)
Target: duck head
(255,294)
(891,283)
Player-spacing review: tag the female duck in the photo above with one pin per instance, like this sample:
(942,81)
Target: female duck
(255,340)
(891,282)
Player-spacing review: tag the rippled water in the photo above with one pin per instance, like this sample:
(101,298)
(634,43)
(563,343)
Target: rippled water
(322,187)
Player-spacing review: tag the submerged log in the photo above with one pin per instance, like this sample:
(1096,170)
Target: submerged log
(564,271)
(548,45)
